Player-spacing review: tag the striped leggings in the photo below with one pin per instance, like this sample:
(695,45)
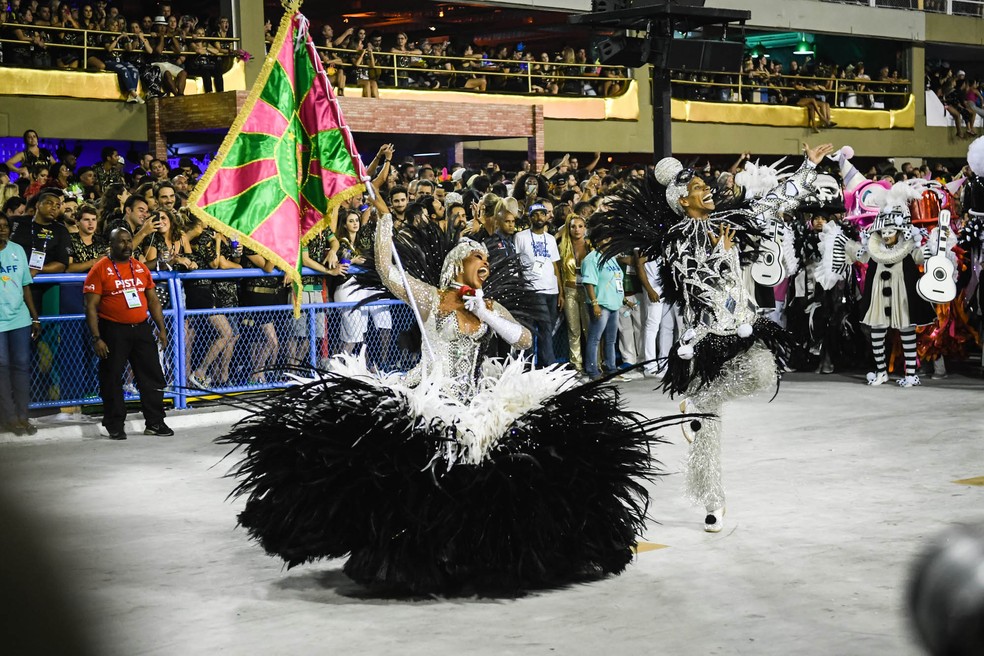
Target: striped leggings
(908,334)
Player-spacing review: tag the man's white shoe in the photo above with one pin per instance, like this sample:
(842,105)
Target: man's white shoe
(714,521)
(909,381)
(877,378)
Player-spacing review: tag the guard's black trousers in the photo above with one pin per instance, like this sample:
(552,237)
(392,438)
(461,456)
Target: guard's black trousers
(136,344)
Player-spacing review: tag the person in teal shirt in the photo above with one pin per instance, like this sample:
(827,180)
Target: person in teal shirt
(605,292)
(19,324)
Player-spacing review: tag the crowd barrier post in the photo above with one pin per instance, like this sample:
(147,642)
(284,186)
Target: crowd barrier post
(180,375)
(312,338)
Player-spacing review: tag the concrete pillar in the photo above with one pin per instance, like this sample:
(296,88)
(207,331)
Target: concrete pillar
(247,24)
(917,77)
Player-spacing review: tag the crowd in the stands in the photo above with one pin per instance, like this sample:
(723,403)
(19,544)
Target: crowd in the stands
(160,51)
(817,86)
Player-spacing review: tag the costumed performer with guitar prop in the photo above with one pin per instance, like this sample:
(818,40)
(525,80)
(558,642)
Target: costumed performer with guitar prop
(892,248)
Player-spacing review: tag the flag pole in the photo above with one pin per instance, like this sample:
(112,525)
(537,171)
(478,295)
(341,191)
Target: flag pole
(371,190)
(294,6)
(413,303)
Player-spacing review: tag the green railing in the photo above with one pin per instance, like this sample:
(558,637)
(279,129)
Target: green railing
(88,39)
(738,86)
(447,66)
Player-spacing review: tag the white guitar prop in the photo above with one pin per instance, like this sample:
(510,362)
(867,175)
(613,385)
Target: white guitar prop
(938,284)
(769,269)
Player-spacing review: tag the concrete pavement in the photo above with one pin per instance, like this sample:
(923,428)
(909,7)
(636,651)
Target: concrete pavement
(833,488)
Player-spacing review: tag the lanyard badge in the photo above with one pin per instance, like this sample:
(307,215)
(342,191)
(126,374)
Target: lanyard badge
(38,256)
(130,295)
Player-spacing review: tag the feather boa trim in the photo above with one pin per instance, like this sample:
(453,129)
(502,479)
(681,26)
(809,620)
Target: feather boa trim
(355,465)
(713,351)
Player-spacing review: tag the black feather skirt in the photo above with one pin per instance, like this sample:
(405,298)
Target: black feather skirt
(713,351)
(342,467)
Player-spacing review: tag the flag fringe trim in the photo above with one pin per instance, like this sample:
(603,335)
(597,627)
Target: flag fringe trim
(335,201)
(291,272)
(333,204)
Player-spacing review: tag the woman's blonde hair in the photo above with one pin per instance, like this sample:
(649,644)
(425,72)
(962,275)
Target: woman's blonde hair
(9,191)
(505,206)
(490,203)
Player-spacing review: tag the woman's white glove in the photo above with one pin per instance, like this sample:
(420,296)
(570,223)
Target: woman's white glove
(475,303)
(509,331)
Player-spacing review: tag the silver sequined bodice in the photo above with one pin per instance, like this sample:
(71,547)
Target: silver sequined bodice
(453,350)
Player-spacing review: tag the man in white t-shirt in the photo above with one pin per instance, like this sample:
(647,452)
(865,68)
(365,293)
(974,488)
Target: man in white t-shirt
(538,248)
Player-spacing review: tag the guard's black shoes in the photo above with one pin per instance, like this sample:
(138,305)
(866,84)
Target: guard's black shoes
(117,435)
(160,430)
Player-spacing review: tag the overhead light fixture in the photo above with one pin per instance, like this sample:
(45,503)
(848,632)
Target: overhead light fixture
(804,48)
(805,45)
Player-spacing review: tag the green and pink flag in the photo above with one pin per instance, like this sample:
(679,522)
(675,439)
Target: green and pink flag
(288,159)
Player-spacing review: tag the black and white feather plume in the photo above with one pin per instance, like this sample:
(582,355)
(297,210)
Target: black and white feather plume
(636,216)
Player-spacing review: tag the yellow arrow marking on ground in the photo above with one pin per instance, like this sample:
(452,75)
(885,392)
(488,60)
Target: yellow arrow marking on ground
(978,480)
(642,547)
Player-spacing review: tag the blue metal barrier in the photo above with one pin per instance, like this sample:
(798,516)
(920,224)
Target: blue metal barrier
(222,349)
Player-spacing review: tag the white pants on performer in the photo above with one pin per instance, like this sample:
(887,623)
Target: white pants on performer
(662,319)
(630,331)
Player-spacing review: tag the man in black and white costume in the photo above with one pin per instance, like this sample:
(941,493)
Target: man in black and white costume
(726,351)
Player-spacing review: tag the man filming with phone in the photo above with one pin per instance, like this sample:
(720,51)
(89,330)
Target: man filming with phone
(135,212)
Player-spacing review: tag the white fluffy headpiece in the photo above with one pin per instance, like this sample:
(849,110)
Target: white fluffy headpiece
(452,263)
(893,204)
(759,179)
(666,172)
(896,198)
(975,156)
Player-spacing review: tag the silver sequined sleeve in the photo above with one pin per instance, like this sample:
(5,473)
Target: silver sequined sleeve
(422,292)
(787,195)
(525,340)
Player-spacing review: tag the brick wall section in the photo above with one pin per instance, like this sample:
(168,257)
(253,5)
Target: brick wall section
(467,120)
(156,139)
(207,111)
(535,148)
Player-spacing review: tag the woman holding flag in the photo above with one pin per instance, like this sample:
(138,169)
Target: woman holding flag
(469,471)
(460,474)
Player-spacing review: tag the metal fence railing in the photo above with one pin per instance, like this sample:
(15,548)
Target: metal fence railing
(398,69)
(743,88)
(226,350)
(86,42)
(951,7)
(233,349)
